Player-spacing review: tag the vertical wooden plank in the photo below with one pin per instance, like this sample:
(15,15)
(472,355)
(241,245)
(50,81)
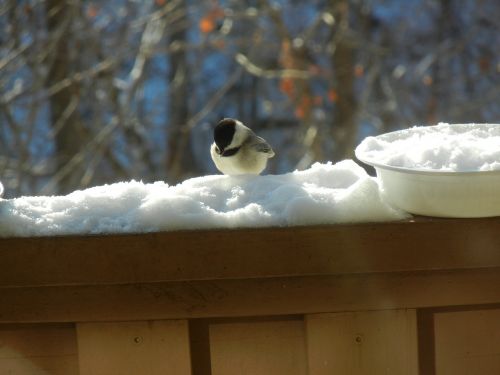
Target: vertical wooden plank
(467,342)
(145,347)
(426,341)
(199,341)
(38,349)
(266,347)
(362,343)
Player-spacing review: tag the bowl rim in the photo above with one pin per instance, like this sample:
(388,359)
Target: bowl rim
(434,172)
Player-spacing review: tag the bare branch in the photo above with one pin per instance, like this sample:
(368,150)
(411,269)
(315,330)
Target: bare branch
(13,55)
(266,73)
(214,100)
(80,76)
(79,158)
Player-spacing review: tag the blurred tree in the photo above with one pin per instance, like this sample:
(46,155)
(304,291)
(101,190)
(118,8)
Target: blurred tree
(180,155)
(64,95)
(345,125)
(94,92)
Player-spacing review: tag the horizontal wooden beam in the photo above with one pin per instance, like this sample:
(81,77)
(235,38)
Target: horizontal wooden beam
(249,297)
(420,245)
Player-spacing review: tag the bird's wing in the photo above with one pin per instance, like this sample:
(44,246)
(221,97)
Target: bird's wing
(261,145)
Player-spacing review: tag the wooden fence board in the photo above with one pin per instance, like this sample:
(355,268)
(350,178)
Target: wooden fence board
(38,349)
(123,348)
(121,289)
(363,343)
(467,342)
(248,348)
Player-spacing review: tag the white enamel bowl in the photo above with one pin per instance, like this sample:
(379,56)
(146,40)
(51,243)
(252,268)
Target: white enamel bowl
(439,193)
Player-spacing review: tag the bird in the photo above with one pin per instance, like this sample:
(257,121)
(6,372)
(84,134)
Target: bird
(238,150)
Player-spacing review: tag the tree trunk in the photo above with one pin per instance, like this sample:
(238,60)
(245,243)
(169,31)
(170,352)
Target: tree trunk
(344,128)
(180,158)
(67,140)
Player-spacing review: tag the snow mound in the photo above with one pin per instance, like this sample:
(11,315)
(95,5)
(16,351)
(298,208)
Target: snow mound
(444,147)
(323,194)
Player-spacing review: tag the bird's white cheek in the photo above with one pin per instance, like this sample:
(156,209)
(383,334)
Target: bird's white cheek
(214,153)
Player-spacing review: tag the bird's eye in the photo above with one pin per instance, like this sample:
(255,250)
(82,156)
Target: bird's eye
(217,150)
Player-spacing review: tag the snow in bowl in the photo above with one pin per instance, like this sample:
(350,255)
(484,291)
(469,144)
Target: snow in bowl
(447,170)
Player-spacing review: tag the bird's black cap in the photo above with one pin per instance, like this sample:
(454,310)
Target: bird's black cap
(224,132)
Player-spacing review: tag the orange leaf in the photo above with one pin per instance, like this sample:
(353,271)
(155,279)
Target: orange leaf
(217,13)
(332,95)
(314,69)
(306,102)
(484,64)
(303,108)
(318,100)
(359,70)
(219,43)
(427,80)
(286,59)
(286,86)
(160,2)
(92,11)
(207,24)
(300,112)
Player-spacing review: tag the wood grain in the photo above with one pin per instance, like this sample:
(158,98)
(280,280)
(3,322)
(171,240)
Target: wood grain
(427,244)
(363,343)
(131,297)
(248,348)
(467,342)
(250,297)
(153,348)
(38,349)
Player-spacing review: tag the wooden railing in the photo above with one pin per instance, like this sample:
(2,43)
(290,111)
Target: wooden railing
(386,298)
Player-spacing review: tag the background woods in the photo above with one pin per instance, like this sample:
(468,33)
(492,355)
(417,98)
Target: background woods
(93,92)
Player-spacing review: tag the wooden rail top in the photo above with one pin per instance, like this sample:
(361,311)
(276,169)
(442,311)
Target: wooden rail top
(248,272)
(417,245)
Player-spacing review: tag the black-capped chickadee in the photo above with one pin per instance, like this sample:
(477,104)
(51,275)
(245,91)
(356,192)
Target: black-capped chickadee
(237,150)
